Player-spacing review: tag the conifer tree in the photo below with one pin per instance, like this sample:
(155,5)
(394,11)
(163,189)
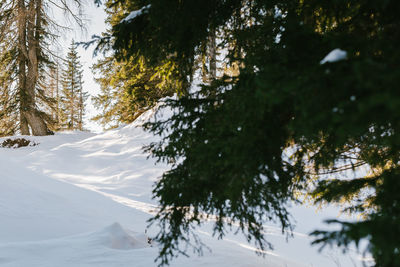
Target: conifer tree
(51,95)
(8,54)
(53,90)
(291,113)
(8,99)
(27,31)
(73,96)
(130,86)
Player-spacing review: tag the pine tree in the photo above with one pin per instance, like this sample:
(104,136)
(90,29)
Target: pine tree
(73,96)
(53,90)
(8,97)
(130,86)
(27,32)
(8,54)
(51,95)
(248,143)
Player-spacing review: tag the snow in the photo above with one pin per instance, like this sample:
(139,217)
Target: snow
(135,14)
(116,237)
(83,199)
(334,56)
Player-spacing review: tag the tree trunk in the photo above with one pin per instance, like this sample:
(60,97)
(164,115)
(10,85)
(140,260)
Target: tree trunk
(29,30)
(23,124)
(37,124)
(22,55)
(58,99)
(213,55)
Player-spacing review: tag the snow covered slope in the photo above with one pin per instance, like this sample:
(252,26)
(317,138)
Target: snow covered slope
(82,199)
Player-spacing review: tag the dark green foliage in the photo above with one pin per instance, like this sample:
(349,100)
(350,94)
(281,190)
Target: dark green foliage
(381,227)
(248,142)
(231,171)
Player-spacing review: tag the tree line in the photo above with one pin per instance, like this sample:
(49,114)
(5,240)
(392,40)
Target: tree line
(32,100)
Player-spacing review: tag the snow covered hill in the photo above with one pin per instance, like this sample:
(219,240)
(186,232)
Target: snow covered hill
(82,199)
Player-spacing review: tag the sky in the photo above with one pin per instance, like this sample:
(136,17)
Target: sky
(95,17)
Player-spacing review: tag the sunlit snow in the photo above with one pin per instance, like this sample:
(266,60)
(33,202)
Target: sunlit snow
(83,199)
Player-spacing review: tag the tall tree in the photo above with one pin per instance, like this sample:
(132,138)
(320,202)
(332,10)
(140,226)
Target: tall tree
(32,32)
(246,144)
(53,90)
(50,93)
(72,92)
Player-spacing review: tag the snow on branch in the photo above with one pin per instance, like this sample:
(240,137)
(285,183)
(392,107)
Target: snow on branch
(135,14)
(335,55)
